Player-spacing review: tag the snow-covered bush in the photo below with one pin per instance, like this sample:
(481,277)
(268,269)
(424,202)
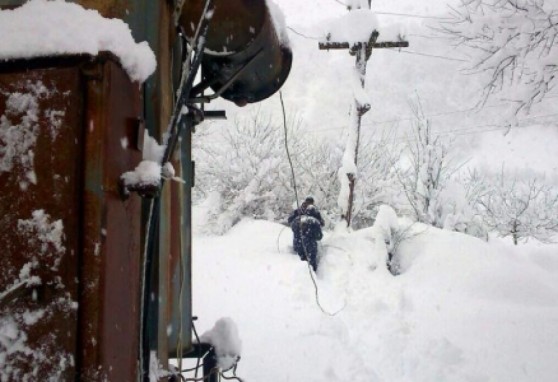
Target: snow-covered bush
(459,199)
(378,182)
(430,169)
(243,168)
(521,208)
(246,165)
(317,170)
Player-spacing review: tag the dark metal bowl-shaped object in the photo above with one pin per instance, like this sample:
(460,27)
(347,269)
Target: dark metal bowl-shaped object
(243,44)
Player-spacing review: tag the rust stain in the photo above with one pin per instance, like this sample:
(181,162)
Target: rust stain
(108,8)
(111,242)
(31,207)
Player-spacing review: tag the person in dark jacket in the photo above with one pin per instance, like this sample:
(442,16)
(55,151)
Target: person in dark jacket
(306,223)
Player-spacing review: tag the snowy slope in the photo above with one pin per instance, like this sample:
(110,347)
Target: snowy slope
(463,310)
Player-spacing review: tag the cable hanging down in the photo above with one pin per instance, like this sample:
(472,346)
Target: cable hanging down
(316,289)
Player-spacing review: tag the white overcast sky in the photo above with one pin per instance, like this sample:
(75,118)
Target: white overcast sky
(318,89)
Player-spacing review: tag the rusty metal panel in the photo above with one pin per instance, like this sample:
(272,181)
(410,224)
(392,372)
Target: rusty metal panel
(40,131)
(109,8)
(8,4)
(110,272)
(98,272)
(180,318)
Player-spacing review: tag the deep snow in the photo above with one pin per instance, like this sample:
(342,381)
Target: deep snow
(462,309)
(41,28)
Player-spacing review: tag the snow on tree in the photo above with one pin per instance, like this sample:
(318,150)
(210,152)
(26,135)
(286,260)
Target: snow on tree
(243,171)
(515,42)
(247,172)
(521,208)
(378,181)
(459,199)
(431,166)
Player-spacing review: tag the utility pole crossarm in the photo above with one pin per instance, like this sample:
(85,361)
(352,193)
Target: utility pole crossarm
(362,50)
(346,45)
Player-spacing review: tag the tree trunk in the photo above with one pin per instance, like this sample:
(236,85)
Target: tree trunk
(514,232)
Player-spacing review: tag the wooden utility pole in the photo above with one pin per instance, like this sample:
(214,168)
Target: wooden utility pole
(362,51)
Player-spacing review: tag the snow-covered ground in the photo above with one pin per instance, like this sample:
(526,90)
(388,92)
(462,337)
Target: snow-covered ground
(462,309)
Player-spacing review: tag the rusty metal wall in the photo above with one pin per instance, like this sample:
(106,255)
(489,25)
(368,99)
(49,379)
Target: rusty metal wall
(40,130)
(151,21)
(111,245)
(84,114)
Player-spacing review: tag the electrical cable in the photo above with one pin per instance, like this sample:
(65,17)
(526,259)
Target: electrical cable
(413,16)
(302,34)
(427,55)
(191,369)
(198,341)
(316,290)
(215,370)
(175,128)
(279,237)
(463,129)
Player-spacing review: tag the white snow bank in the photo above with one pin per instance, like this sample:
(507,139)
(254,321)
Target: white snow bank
(462,310)
(224,338)
(49,28)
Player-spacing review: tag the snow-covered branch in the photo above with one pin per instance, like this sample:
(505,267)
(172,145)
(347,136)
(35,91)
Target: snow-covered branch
(515,42)
(521,208)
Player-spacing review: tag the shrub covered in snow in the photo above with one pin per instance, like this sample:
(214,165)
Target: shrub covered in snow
(520,208)
(243,168)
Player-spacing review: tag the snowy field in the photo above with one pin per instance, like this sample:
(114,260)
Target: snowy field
(462,309)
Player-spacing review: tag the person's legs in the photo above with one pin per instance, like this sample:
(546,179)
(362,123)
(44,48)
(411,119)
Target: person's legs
(312,249)
(299,249)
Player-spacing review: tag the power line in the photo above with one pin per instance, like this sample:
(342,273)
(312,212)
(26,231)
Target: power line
(414,16)
(303,35)
(464,130)
(431,55)
(437,114)
(404,14)
(410,117)
(316,289)
(426,36)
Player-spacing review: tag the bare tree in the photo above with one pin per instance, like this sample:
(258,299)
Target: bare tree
(515,42)
(521,208)
(431,167)
(246,170)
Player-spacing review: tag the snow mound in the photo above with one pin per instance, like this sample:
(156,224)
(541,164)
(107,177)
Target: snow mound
(461,310)
(42,28)
(224,338)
